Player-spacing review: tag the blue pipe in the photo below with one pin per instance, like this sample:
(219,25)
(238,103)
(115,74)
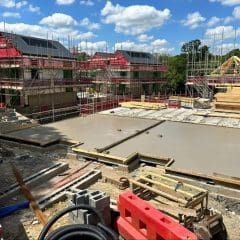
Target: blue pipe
(6,211)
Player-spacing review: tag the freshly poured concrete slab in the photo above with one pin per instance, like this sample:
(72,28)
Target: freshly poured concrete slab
(98,131)
(40,135)
(199,148)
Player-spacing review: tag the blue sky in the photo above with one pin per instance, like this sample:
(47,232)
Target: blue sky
(147,25)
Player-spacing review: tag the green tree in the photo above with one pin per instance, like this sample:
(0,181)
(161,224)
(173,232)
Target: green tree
(191,47)
(195,50)
(176,76)
(82,56)
(234,52)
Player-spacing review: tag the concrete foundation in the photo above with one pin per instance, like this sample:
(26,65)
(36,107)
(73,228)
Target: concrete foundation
(39,136)
(203,149)
(99,131)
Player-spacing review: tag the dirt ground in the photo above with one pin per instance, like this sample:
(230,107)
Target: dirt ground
(24,157)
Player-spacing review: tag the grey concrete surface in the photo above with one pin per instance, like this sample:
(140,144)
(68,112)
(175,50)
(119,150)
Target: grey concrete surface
(199,148)
(98,131)
(39,135)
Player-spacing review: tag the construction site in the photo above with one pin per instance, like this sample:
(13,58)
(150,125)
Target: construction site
(101,139)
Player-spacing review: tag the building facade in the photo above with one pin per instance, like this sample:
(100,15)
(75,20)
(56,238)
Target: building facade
(127,73)
(37,72)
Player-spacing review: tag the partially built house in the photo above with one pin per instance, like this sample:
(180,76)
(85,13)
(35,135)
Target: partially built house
(37,73)
(127,73)
(41,75)
(212,70)
(218,75)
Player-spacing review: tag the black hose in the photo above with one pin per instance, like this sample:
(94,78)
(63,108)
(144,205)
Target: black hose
(77,231)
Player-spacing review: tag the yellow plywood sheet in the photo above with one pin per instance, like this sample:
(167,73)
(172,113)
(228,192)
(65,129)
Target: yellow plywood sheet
(143,105)
(182,99)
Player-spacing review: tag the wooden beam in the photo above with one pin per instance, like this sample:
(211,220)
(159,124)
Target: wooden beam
(120,160)
(218,180)
(176,181)
(176,210)
(28,195)
(98,156)
(167,187)
(171,197)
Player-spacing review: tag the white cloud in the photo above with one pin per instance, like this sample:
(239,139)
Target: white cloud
(87,2)
(159,43)
(226,47)
(157,46)
(227,2)
(46,31)
(213,21)
(86,36)
(7,3)
(11,15)
(34,9)
(236,12)
(25,29)
(65,2)
(21,4)
(222,32)
(59,20)
(88,24)
(193,20)
(134,19)
(144,38)
(92,47)
(220,36)
(228,19)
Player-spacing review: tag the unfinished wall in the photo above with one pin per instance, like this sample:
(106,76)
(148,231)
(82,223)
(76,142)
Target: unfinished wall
(47,99)
(44,74)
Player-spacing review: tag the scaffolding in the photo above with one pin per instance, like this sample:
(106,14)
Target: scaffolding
(116,76)
(102,76)
(207,71)
(44,79)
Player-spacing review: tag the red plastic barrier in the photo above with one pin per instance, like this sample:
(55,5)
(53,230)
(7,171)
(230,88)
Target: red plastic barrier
(2,105)
(139,220)
(174,104)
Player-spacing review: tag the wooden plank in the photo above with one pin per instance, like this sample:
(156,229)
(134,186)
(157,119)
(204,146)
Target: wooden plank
(168,189)
(155,159)
(175,181)
(226,176)
(219,180)
(143,105)
(176,210)
(196,201)
(176,199)
(28,195)
(96,155)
